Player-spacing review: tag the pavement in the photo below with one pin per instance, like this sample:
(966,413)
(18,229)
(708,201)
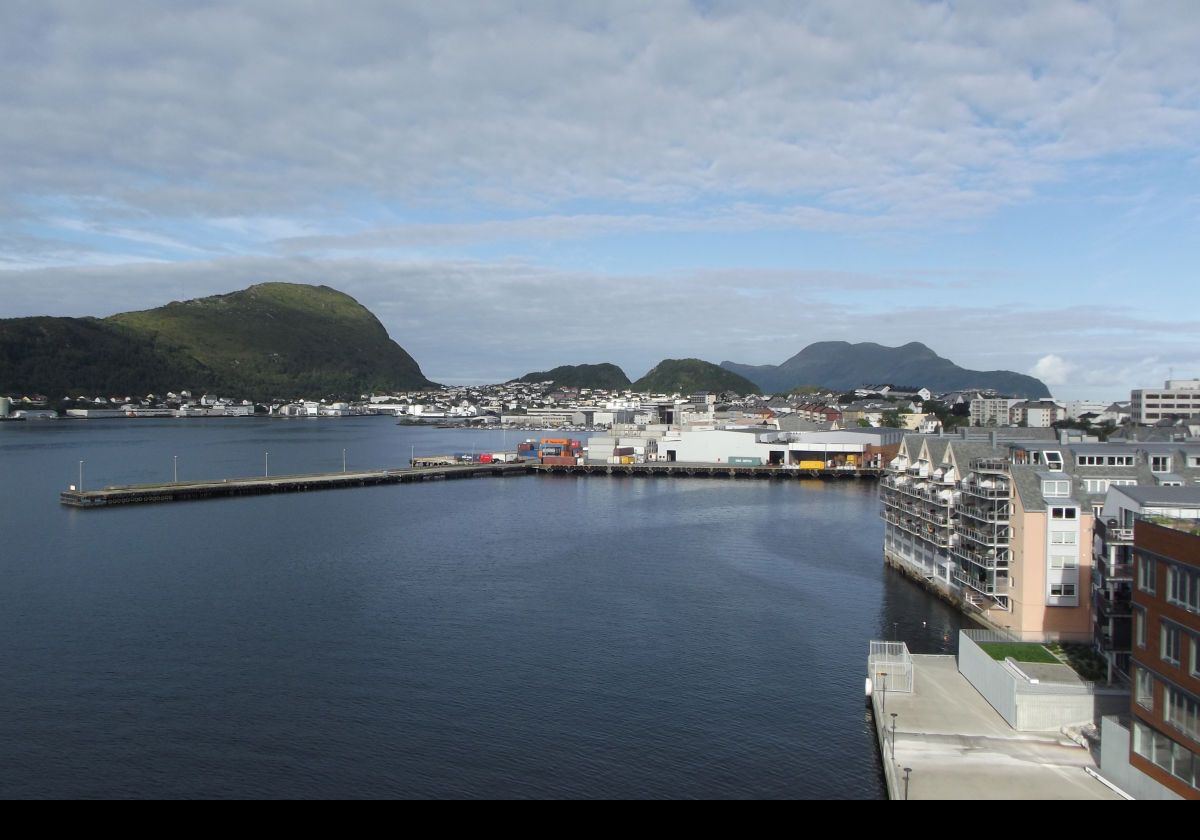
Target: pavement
(958,747)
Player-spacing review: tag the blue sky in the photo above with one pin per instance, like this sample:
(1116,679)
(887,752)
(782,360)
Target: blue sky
(513,186)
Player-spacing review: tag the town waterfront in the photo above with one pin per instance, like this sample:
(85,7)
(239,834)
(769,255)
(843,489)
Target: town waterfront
(529,637)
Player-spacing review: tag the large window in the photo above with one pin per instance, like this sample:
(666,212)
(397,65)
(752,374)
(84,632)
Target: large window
(1170,641)
(1056,489)
(1170,756)
(1064,513)
(1160,463)
(1145,689)
(1139,627)
(1062,590)
(1183,712)
(1062,538)
(1147,572)
(1183,587)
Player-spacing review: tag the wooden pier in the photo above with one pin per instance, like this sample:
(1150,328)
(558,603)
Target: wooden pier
(193,490)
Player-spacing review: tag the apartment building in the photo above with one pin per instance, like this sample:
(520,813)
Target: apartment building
(1008,528)
(1165,705)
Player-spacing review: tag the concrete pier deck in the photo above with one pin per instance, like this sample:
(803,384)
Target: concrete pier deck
(193,490)
(958,747)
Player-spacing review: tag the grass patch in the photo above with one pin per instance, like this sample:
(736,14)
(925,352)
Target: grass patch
(1020,651)
(1086,662)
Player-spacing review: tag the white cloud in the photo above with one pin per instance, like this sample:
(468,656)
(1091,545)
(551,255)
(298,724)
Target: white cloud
(919,111)
(1053,370)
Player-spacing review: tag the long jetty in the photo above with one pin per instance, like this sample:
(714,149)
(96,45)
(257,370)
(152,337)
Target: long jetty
(194,490)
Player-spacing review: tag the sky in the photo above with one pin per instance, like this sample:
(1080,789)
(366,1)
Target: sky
(511,186)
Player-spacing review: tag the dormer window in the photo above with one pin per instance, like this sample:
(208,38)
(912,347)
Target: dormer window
(1160,463)
(1054,461)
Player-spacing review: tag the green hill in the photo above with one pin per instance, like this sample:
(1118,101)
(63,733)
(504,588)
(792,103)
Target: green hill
(687,376)
(604,375)
(270,340)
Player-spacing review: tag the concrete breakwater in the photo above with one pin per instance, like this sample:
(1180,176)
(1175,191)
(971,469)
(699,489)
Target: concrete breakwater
(230,487)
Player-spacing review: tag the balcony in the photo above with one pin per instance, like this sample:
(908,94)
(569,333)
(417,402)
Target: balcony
(994,538)
(990,465)
(982,586)
(932,516)
(1117,605)
(989,490)
(997,514)
(917,528)
(999,560)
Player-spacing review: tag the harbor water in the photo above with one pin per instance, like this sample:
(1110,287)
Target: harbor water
(516,637)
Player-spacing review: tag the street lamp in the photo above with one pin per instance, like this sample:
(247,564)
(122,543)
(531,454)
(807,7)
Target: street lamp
(893,736)
(176,460)
(81,476)
(907,770)
(266,465)
(884,687)
(343,460)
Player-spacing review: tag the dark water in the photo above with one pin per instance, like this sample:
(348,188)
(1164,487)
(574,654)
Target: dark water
(521,637)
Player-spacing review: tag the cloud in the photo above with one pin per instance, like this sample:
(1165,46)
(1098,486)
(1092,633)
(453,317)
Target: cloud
(1053,370)
(915,111)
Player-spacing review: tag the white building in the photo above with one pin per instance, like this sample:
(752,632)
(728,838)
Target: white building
(1177,398)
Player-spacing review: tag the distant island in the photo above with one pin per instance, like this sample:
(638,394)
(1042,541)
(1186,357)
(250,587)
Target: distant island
(842,365)
(270,340)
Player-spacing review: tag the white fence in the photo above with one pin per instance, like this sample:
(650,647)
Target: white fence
(890,667)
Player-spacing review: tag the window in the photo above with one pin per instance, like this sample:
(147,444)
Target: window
(1170,756)
(1182,711)
(1062,590)
(1183,587)
(1062,538)
(1063,561)
(1169,643)
(1120,460)
(1194,656)
(1147,574)
(1063,513)
(1145,690)
(1095,485)
(1056,489)
(1139,628)
(1160,463)
(1054,461)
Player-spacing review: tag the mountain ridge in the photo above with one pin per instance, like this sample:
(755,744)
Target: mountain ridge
(842,365)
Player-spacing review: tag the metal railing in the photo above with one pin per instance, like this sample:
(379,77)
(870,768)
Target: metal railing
(890,667)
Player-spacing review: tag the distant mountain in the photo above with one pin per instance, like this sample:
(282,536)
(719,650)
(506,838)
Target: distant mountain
(841,365)
(270,340)
(604,375)
(687,376)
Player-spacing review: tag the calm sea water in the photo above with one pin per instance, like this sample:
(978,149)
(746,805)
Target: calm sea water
(520,637)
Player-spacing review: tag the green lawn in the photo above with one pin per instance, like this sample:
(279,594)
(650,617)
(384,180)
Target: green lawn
(1022,652)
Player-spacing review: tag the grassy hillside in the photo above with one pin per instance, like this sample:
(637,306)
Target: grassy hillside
(271,340)
(604,375)
(687,376)
(72,356)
